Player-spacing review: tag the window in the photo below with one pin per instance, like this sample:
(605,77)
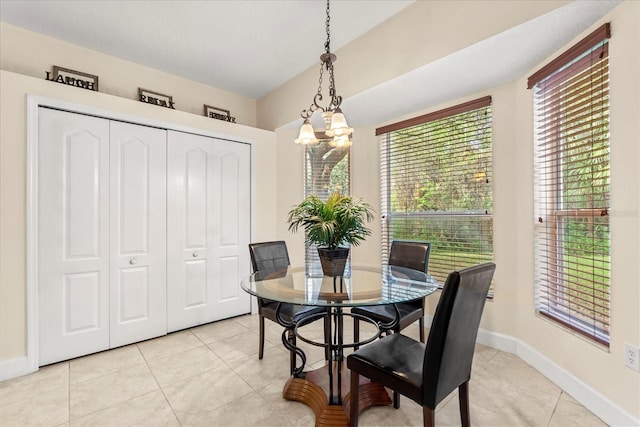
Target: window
(436,175)
(326,169)
(571,101)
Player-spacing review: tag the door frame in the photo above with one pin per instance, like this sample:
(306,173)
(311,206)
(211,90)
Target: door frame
(29,363)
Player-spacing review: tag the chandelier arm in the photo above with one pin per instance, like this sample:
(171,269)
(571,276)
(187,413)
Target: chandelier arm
(335,99)
(313,107)
(336,102)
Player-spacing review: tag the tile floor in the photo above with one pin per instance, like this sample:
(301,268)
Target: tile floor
(211,376)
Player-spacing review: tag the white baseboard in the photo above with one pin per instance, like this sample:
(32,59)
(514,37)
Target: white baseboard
(498,341)
(586,395)
(16,368)
(589,397)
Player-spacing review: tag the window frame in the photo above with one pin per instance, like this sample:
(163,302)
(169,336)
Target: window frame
(386,165)
(311,259)
(561,293)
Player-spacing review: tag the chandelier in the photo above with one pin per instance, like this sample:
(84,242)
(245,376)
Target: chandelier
(336,128)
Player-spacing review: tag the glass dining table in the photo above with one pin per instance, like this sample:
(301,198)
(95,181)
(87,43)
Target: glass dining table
(321,389)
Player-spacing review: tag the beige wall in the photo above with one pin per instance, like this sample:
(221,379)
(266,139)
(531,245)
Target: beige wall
(15,88)
(32,54)
(600,368)
(512,313)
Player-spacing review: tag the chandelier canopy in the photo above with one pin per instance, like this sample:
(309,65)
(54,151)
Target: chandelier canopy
(336,127)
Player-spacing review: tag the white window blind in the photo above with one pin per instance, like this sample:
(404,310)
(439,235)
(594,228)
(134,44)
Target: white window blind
(571,101)
(326,169)
(436,176)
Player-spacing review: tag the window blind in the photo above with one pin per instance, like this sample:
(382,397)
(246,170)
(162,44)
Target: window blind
(436,185)
(326,169)
(572,264)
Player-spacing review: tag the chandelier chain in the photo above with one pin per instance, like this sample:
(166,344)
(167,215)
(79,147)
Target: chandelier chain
(320,80)
(337,132)
(327,45)
(326,64)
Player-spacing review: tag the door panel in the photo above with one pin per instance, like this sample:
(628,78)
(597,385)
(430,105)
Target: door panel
(229,270)
(196,198)
(138,230)
(81,299)
(232,189)
(208,204)
(134,295)
(195,292)
(73,235)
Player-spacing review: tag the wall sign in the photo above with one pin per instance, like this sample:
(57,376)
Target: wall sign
(155,98)
(214,113)
(73,78)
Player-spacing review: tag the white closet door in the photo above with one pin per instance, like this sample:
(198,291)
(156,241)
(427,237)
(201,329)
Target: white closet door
(207,229)
(138,233)
(73,235)
(231,245)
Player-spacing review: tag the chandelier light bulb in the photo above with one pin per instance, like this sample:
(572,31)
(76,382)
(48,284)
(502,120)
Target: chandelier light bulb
(339,126)
(341,141)
(307,135)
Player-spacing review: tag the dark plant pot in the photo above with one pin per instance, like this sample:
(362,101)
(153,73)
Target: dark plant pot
(333,261)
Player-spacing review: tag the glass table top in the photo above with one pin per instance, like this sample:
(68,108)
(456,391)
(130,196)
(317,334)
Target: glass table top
(359,286)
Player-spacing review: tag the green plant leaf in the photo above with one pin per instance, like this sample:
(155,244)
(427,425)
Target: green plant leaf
(338,221)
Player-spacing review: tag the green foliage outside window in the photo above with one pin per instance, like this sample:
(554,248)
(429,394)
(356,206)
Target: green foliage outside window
(440,176)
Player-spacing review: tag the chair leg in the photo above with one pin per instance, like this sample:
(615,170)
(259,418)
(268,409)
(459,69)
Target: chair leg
(428,417)
(356,332)
(261,342)
(396,395)
(463,396)
(421,325)
(396,399)
(354,394)
(327,335)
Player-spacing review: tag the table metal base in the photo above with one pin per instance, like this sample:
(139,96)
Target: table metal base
(312,390)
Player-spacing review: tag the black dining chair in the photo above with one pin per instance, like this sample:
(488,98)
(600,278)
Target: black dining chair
(428,373)
(413,255)
(271,256)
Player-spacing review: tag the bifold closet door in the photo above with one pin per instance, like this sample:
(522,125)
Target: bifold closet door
(101,234)
(73,235)
(138,302)
(208,227)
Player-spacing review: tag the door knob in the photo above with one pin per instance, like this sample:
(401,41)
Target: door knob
(132,261)
(195,254)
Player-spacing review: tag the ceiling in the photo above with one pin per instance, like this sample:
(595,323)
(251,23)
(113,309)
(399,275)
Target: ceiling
(251,47)
(489,63)
(247,47)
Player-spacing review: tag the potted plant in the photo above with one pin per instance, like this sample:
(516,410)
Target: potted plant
(329,225)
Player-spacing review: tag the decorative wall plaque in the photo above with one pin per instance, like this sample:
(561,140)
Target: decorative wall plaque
(73,78)
(214,113)
(155,98)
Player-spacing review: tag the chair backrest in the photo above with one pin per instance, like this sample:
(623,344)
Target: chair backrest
(269,255)
(413,255)
(452,337)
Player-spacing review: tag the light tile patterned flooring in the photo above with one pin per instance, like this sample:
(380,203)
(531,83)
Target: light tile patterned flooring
(211,376)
